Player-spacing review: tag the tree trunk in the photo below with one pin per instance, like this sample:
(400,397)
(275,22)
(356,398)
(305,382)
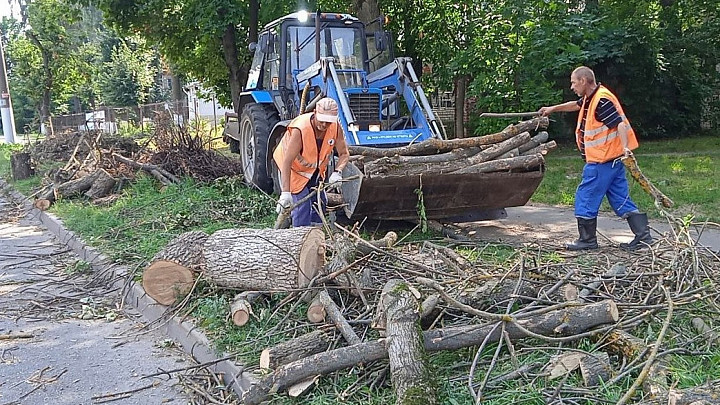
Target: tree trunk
(566,322)
(264,259)
(45,124)
(295,349)
(21,166)
(171,271)
(461,83)
(78,186)
(236,78)
(408,369)
(102,186)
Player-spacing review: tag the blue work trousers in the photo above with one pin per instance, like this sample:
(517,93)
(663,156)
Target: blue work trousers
(307,213)
(603,180)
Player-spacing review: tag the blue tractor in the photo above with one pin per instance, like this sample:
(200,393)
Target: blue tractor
(301,58)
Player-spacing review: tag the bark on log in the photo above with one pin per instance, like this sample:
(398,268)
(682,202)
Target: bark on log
(158,172)
(434,145)
(495,292)
(20,166)
(521,162)
(408,369)
(540,138)
(78,186)
(595,368)
(565,322)
(264,259)
(295,349)
(241,307)
(455,166)
(453,155)
(170,273)
(337,318)
(102,186)
(690,396)
(542,149)
(621,343)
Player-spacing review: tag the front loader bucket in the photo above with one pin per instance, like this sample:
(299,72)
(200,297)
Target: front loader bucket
(445,196)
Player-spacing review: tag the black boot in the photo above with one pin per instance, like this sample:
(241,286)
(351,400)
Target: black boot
(639,226)
(588,237)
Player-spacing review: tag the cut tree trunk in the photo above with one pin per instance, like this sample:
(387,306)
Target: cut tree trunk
(295,349)
(102,186)
(408,369)
(595,368)
(78,186)
(171,271)
(565,322)
(241,307)
(264,259)
(21,166)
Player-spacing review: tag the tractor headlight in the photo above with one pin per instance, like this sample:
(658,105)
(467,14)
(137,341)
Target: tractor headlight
(302,16)
(374,128)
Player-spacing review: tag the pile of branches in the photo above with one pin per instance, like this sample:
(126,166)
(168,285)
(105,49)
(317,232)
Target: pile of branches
(185,155)
(378,307)
(98,165)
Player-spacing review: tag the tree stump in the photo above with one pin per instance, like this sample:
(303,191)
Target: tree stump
(408,369)
(21,166)
(171,272)
(264,259)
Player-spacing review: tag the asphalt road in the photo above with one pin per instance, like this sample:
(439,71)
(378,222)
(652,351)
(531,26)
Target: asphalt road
(62,338)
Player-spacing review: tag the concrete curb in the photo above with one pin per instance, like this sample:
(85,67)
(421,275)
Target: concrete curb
(193,342)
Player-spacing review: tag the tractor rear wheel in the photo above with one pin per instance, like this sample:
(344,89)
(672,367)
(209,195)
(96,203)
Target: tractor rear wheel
(256,122)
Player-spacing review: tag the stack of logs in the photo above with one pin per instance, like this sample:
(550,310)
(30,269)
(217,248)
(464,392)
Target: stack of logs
(264,261)
(512,149)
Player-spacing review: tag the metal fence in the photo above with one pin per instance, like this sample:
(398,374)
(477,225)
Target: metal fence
(110,119)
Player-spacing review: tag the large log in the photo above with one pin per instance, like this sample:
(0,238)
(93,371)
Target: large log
(264,259)
(77,186)
(102,186)
(20,166)
(295,349)
(408,369)
(565,322)
(434,145)
(170,273)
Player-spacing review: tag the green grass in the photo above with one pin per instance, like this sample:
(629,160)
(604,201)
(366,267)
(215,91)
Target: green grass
(685,170)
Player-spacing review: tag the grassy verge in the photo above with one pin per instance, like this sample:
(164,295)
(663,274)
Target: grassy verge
(686,170)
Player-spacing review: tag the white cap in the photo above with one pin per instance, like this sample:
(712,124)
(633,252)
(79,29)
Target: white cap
(326,110)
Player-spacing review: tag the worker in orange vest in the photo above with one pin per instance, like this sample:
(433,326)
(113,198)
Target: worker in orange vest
(603,135)
(303,156)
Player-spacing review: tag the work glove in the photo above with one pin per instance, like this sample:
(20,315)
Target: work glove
(284,202)
(335,178)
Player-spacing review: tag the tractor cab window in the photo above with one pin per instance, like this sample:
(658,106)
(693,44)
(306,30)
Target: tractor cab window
(271,73)
(345,44)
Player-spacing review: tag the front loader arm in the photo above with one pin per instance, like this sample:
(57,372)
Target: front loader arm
(401,75)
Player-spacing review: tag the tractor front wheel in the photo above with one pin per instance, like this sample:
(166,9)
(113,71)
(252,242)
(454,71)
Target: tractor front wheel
(256,122)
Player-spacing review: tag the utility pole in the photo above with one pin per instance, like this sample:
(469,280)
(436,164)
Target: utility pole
(8,122)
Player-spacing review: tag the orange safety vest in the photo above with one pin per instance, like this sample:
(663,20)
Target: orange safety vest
(309,160)
(602,144)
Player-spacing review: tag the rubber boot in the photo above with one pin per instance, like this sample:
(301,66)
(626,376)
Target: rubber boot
(588,235)
(639,226)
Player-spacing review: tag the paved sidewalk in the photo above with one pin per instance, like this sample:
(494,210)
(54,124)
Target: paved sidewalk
(62,341)
(554,226)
